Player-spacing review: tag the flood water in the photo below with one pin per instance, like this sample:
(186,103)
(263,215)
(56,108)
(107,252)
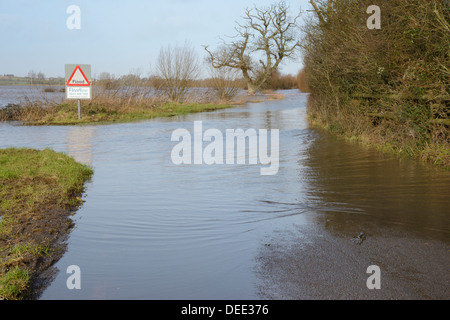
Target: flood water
(22,94)
(150,229)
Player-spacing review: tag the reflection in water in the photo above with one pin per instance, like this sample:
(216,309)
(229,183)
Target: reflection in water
(401,206)
(79,144)
(361,188)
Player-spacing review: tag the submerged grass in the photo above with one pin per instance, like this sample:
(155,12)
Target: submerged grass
(38,191)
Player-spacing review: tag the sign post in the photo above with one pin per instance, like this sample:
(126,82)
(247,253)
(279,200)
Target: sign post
(78,83)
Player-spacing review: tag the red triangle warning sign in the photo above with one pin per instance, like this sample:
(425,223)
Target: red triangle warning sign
(78,78)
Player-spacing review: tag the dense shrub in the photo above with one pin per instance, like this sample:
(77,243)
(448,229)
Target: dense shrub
(389,85)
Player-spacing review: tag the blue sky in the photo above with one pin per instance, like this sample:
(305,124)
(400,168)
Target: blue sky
(119,37)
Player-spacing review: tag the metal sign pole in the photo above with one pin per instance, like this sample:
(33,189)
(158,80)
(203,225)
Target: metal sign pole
(79,110)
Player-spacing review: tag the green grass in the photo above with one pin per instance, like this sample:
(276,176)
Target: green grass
(14,282)
(36,187)
(58,174)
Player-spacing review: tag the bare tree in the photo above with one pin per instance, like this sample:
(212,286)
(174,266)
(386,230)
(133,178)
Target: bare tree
(105,76)
(41,76)
(176,67)
(107,81)
(225,82)
(266,37)
(31,76)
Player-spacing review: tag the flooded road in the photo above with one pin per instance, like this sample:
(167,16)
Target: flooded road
(150,229)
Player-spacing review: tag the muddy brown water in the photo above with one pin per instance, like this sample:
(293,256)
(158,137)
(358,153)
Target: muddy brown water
(150,229)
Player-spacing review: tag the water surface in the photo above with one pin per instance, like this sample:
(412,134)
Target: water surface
(150,229)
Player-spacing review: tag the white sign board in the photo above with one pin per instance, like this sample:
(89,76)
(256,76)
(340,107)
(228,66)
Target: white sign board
(78,81)
(78,93)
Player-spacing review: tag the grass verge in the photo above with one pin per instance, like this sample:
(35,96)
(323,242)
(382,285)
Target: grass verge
(103,112)
(39,190)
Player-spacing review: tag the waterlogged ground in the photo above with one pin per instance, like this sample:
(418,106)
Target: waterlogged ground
(150,229)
